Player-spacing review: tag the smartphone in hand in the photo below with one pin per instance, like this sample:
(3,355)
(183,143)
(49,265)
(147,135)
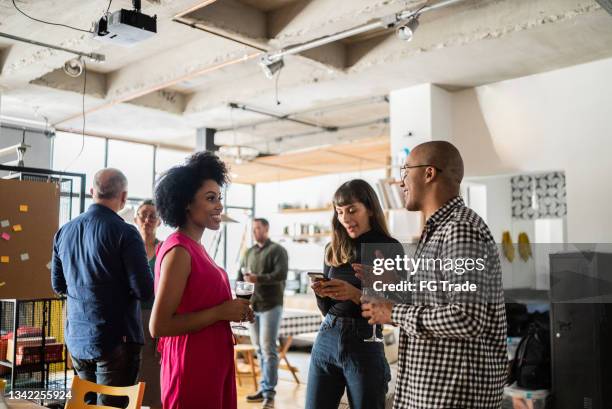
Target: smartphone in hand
(317,277)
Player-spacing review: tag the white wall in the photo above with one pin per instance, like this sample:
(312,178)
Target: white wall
(498,203)
(560,120)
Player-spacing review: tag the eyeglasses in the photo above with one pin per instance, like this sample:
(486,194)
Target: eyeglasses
(404,169)
(145,216)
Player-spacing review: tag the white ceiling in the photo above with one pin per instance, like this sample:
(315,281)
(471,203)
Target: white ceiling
(183,78)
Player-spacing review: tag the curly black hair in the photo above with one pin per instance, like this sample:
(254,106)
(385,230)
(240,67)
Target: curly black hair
(176,188)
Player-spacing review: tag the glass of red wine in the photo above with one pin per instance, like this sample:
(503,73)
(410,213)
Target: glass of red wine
(243,290)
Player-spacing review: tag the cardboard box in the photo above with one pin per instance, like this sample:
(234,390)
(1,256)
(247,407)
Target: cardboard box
(29,350)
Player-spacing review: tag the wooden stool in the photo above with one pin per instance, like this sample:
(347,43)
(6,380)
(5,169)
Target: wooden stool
(249,353)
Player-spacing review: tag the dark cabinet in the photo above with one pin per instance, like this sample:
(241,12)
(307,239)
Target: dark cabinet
(581,330)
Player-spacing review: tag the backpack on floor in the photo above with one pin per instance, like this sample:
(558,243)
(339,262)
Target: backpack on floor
(531,367)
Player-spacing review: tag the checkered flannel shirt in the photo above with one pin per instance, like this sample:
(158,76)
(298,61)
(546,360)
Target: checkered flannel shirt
(452,349)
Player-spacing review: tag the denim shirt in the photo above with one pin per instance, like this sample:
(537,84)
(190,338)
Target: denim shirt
(100,265)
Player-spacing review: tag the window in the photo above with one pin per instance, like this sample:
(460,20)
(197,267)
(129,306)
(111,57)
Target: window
(66,148)
(135,160)
(166,158)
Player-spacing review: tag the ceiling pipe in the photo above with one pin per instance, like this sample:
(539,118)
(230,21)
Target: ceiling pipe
(281,138)
(385,22)
(314,111)
(381,23)
(287,117)
(92,56)
(384,120)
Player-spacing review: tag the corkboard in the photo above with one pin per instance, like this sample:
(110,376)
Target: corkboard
(30,232)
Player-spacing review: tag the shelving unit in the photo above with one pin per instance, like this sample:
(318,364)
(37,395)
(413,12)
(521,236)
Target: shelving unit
(35,329)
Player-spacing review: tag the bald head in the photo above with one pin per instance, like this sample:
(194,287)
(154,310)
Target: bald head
(443,155)
(109,184)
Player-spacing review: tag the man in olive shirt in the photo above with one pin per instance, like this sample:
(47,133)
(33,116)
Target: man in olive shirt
(265,264)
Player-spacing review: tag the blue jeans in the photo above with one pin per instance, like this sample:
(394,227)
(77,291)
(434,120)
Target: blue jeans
(340,359)
(264,333)
(117,368)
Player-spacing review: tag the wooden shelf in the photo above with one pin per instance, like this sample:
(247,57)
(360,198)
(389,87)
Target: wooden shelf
(306,210)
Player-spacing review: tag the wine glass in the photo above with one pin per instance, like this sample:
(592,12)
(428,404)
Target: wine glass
(244,290)
(369,293)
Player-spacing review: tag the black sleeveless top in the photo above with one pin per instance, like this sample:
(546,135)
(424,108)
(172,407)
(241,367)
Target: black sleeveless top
(345,271)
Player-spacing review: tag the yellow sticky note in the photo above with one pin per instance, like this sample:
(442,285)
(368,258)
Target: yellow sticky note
(23,208)
(5,259)
(17,227)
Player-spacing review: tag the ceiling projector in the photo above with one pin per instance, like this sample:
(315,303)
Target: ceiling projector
(126,27)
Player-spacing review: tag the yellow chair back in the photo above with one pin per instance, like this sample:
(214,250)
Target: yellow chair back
(81,387)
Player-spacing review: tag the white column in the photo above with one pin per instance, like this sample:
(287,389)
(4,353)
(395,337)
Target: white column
(418,114)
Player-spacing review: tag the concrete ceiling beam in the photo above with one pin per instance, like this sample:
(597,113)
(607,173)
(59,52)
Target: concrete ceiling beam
(467,36)
(233,19)
(58,79)
(165,100)
(172,65)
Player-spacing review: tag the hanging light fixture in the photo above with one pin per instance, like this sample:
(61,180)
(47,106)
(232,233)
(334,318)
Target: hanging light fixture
(74,68)
(406,32)
(238,153)
(271,66)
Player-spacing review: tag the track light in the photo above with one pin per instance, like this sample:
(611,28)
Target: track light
(271,67)
(74,67)
(406,32)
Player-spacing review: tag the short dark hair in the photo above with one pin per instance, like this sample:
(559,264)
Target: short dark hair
(262,221)
(176,188)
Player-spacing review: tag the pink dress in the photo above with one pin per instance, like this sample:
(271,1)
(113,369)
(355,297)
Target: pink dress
(197,369)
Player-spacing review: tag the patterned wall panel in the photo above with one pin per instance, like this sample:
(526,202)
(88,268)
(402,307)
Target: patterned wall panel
(549,200)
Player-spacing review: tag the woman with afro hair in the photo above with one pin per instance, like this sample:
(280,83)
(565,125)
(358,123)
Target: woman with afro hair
(193,303)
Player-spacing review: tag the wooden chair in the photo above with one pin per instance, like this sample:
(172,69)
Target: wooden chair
(81,387)
(249,353)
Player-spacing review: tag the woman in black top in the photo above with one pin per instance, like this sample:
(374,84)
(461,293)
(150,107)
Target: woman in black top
(340,358)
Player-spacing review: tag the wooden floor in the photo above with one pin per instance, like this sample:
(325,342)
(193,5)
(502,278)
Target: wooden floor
(289,395)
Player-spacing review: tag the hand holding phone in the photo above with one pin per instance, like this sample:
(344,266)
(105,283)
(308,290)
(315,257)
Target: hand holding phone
(317,277)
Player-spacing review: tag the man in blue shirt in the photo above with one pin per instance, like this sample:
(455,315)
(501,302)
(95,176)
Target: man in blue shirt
(100,265)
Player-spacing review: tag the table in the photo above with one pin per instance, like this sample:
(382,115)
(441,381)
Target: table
(293,322)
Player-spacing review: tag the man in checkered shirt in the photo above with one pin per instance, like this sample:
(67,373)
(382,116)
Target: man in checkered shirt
(453,343)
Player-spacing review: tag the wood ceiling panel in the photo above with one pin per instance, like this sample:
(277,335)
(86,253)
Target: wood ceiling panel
(365,154)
